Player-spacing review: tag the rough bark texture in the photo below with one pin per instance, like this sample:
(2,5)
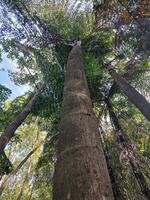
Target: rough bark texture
(134,96)
(123,141)
(81,171)
(12,127)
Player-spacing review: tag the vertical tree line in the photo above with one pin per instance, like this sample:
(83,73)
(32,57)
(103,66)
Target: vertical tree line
(81,171)
(127,147)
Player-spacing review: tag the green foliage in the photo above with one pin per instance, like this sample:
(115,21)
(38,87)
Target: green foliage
(66,19)
(94,77)
(53,77)
(4,94)
(98,44)
(5,165)
(45,63)
(30,135)
(28,70)
(11,109)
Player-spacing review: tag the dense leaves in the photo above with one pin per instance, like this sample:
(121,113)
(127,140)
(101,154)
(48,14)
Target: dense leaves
(39,37)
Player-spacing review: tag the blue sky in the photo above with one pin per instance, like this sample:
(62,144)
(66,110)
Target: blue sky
(8,64)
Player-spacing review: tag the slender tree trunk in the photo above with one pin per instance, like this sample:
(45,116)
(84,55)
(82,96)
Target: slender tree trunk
(134,96)
(115,185)
(3,178)
(4,182)
(123,141)
(81,171)
(31,192)
(19,197)
(12,127)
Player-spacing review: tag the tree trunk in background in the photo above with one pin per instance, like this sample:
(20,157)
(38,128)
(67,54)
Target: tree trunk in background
(22,188)
(115,184)
(134,96)
(19,197)
(123,141)
(12,127)
(3,183)
(31,193)
(81,171)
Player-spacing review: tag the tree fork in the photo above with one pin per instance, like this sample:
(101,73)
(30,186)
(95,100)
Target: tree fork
(81,171)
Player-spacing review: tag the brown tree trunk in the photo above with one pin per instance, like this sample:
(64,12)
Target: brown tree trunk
(81,171)
(134,96)
(123,141)
(12,127)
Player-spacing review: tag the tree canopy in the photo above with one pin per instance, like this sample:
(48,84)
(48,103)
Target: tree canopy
(38,36)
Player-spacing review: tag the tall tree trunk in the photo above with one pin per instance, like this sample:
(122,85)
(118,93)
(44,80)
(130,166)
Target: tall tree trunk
(19,197)
(3,183)
(12,127)
(5,180)
(81,171)
(123,141)
(115,184)
(27,175)
(31,192)
(134,96)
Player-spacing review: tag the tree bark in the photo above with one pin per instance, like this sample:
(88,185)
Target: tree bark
(12,127)
(123,141)
(81,171)
(133,95)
